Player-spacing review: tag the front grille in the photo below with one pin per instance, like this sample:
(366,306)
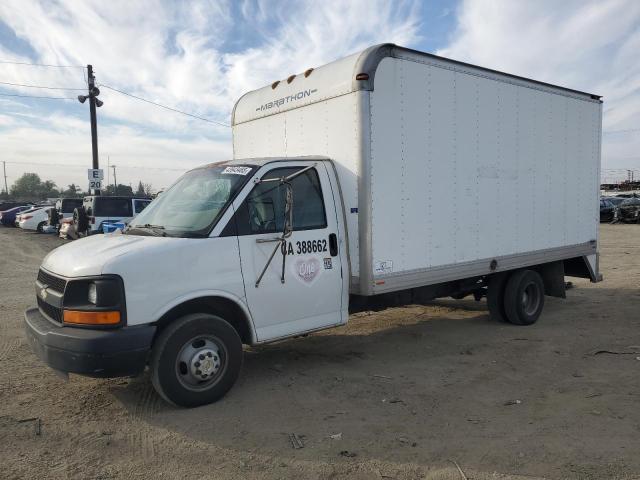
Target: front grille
(50,311)
(54,283)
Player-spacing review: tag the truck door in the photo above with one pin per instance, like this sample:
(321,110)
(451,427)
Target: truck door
(306,294)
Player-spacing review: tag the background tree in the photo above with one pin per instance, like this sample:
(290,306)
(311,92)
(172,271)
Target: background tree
(72,190)
(148,189)
(119,190)
(30,187)
(144,189)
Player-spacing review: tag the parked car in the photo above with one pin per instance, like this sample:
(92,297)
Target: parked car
(35,219)
(607,210)
(8,205)
(97,210)
(629,211)
(8,217)
(615,200)
(32,208)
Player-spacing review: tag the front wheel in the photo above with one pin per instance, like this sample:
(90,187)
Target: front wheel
(40,227)
(196,360)
(524,297)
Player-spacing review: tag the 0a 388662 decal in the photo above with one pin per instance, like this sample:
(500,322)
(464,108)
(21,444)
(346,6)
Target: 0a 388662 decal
(305,246)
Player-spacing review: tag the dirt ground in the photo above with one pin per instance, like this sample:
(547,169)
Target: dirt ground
(409,392)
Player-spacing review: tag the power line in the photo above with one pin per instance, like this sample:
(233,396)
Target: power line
(35,96)
(41,64)
(74,165)
(164,106)
(42,86)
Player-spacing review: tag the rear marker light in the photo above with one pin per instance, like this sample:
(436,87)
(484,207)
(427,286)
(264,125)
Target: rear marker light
(290,79)
(307,72)
(362,76)
(275,84)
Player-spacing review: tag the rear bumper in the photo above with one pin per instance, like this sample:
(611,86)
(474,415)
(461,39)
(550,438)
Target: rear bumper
(94,353)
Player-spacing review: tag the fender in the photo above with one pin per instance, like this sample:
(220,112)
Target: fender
(240,302)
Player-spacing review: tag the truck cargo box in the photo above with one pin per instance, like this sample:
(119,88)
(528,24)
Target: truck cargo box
(447,170)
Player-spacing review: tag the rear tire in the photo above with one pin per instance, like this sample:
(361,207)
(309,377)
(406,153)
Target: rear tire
(524,297)
(80,220)
(495,296)
(196,360)
(40,227)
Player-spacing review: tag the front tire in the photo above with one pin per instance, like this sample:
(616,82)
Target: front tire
(196,360)
(40,227)
(524,297)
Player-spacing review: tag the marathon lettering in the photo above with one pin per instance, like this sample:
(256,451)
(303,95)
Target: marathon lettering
(284,100)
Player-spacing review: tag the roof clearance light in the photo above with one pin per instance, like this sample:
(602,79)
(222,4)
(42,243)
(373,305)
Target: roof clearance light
(362,76)
(307,72)
(275,84)
(290,79)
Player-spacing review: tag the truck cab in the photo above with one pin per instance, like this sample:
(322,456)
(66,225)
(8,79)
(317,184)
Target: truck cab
(239,252)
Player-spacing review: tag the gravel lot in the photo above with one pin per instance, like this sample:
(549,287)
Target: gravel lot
(411,391)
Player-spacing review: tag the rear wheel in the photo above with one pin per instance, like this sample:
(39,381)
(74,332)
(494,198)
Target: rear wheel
(40,227)
(524,297)
(196,360)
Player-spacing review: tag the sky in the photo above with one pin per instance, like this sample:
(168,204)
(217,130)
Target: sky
(200,56)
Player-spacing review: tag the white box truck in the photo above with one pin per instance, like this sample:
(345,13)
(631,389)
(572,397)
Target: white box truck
(388,177)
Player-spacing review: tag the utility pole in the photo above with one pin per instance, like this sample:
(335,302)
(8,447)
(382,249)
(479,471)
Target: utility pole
(4,168)
(115,180)
(93,103)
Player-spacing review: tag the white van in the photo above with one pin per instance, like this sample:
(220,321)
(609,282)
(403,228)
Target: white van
(334,205)
(96,210)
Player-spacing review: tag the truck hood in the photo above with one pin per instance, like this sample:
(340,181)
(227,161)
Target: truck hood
(88,256)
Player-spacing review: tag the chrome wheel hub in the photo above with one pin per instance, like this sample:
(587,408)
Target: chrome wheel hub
(205,363)
(201,362)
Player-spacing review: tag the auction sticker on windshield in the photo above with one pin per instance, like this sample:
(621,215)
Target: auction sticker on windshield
(237,170)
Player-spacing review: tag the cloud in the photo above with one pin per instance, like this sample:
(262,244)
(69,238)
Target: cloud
(198,56)
(586,45)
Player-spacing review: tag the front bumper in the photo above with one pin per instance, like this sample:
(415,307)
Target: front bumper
(94,353)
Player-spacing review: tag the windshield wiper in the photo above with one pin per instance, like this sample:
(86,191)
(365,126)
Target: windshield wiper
(157,230)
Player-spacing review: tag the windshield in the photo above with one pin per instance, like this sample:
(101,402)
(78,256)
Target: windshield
(193,204)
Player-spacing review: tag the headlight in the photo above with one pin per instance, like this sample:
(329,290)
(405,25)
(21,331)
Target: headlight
(92,294)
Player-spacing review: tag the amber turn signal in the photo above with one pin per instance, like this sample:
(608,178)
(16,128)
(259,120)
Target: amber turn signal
(91,318)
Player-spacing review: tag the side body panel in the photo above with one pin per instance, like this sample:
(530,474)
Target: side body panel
(466,169)
(169,271)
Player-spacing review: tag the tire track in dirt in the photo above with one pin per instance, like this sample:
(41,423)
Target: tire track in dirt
(8,345)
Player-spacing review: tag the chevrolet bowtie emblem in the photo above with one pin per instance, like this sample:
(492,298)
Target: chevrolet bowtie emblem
(43,293)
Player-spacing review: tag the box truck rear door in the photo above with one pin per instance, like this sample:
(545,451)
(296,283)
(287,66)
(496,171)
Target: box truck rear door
(309,294)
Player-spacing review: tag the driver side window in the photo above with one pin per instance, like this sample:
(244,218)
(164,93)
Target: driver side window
(263,211)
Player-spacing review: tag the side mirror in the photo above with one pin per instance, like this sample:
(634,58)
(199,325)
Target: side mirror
(288,211)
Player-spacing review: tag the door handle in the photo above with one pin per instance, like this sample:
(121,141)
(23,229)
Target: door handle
(268,240)
(333,244)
